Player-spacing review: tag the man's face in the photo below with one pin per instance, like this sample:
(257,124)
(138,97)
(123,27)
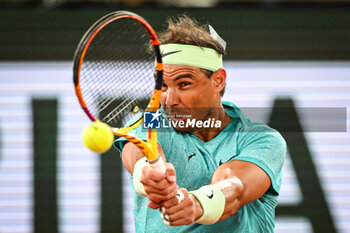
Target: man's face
(187,93)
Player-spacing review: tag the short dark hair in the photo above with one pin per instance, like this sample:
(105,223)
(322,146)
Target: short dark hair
(185,30)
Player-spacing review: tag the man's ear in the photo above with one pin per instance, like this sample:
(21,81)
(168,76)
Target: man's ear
(219,78)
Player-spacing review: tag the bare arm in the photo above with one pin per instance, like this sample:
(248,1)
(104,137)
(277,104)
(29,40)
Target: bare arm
(244,182)
(240,182)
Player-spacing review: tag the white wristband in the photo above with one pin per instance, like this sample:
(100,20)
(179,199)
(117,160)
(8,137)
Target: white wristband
(137,176)
(212,201)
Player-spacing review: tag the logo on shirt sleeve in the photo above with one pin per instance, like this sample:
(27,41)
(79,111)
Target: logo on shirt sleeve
(220,162)
(189,156)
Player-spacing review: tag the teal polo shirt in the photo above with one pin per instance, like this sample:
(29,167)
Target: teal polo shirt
(195,162)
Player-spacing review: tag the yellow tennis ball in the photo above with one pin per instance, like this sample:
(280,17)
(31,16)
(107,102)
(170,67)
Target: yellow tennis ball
(98,137)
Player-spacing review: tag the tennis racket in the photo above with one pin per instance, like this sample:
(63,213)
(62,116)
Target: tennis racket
(118,73)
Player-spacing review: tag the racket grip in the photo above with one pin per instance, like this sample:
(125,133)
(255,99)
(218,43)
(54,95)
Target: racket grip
(158,164)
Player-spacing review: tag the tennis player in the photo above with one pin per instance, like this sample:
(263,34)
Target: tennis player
(227,167)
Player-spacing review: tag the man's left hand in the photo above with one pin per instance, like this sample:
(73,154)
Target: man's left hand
(183,213)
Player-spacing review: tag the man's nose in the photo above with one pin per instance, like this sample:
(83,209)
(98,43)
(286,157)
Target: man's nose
(171,98)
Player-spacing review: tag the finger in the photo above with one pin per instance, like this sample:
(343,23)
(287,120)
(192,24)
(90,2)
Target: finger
(168,193)
(183,216)
(153,205)
(171,208)
(175,208)
(179,197)
(182,213)
(170,173)
(169,203)
(180,218)
(160,197)
(151,173)
(180,222)
(159,185)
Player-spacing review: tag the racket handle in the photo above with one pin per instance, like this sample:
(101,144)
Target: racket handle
(158,164)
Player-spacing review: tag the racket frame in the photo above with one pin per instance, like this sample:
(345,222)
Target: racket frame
(149,148)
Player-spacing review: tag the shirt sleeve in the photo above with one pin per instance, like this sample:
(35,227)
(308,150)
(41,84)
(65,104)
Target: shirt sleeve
(265,147)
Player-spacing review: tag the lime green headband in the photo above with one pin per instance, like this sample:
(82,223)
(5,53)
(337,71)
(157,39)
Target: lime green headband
(191,55)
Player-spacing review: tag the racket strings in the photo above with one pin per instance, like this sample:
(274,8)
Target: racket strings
(117,72)
(118,111)
(105,103)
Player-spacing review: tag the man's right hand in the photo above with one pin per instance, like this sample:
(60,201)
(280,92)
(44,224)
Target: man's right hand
(159,187)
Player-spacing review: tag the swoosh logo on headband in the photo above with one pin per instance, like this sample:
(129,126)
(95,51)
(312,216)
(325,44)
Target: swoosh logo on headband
(169,53)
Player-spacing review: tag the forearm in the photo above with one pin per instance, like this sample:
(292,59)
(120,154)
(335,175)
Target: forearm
(217,201)
(233,185)
(236,183)
(130,155)
(232,189)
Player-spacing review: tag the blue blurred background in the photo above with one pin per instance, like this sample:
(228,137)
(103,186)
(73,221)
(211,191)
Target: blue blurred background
(281,54)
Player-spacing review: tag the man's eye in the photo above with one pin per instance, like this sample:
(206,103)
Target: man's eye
(164,86)
(185,84)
